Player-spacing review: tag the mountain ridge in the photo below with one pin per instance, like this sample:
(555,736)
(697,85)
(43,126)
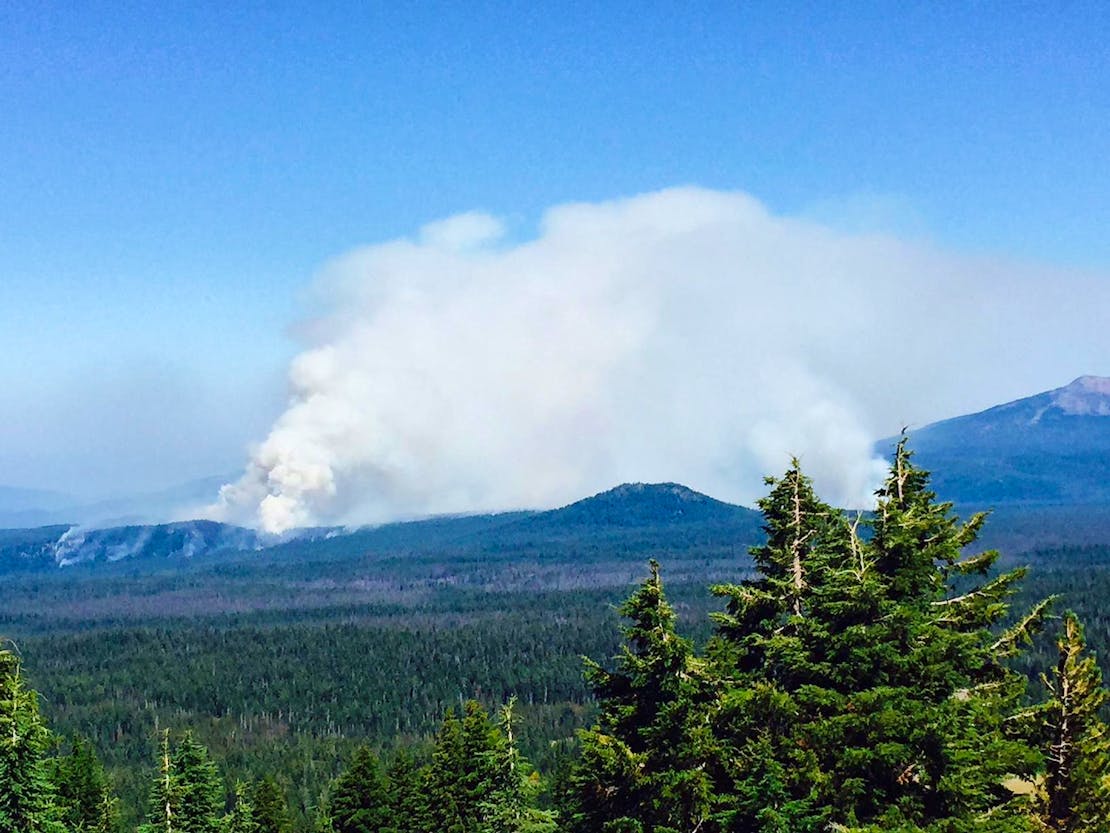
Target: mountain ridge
(640,511)
(1048,448)
(1051,449)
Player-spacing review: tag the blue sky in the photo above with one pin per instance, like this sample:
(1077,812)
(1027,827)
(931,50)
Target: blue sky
(172,175)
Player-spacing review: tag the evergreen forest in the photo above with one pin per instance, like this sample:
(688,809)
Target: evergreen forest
(853,672)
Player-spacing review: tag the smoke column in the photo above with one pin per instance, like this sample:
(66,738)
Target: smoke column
(684,335)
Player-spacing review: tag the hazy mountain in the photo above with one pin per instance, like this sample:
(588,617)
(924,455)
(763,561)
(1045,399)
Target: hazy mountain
(1037,459)
(64,546)
(31,507)
(631,517)
(1052,448)
(645,504)
(35,507)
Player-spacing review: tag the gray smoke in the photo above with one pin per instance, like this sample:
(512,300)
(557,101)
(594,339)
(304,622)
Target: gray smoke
(683,335)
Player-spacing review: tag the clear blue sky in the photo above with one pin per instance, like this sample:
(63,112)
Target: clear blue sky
(171,174)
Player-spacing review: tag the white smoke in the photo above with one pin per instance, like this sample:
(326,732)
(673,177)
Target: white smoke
(684,335)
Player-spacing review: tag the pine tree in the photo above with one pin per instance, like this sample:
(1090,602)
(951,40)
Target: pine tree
(771,652)
(407,804)
(761,608)
(163,802)
(444,778)
(933,693)
(241,818)
(84,796)
(271,812)
(200,793)
(359,800)
(463,771)
(643,765)
(27,801)
(1075,794)
(186,795)
(483,745)
(509,806)
(862,679)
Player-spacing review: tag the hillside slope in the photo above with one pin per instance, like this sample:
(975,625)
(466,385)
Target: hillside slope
(1051,448)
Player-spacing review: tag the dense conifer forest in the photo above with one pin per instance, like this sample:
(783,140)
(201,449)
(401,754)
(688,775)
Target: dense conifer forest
(871,673)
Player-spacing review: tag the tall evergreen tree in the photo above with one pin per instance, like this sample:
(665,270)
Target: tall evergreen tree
(163,803)
(186,795)
(271,811)
(463,772)
(407,803)
(27,801)
(509,807)
(934,693)
(1075,795)
(360,801)
(643,765)
(770,652)
(200,792)
(863,681)
(444,778)
(241,818)
(84,795)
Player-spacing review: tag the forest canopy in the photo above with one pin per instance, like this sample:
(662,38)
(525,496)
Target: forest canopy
(866,677)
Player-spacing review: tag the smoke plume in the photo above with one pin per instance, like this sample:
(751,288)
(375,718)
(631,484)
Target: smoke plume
(684,335)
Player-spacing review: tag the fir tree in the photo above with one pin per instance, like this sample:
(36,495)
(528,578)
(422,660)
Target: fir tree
(407,804)
(186,795)
(463,772)
(643,765)
(271,812)
(770,653)
(863,683)
(200,793)
(164,801)
(444,778)
(1075,794)
(359,801)
(27,802)
(483,746)
(241,819)
(926,742)
(84,796)
(509,806)
(759,609)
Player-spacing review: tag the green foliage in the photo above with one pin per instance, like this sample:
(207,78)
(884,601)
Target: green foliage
(27,802)
(407,803)
(508,805)
(645,760)
(887,673)
(186,794)
(84,796)
(241,819)
(360,801)
(1075,794)
(870,675)
(271,812)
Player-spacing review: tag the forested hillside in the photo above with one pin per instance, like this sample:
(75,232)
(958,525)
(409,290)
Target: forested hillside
(875,673)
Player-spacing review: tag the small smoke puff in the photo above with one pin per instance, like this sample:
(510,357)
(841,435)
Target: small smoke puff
(684,335)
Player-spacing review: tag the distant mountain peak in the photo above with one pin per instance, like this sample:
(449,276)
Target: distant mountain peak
(645,504)
(674,490)
(1086,396)
(1052,447)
